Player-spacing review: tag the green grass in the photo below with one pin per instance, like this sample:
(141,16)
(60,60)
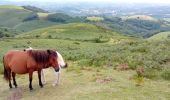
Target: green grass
(96,19)
(160,36)
(12,17)
(72,31)
(11,7)
(33,25)
(42,14)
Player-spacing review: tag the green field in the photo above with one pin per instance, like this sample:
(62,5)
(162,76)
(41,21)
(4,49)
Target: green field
(10,18)
(72,31)
(42,15)
(11,7)
(14,16)
(160,36)
(96,19)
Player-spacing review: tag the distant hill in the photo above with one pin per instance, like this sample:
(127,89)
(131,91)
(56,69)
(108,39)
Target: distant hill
(12,15)
(34,9)
(161,36)
(23,19)
(72,31)
(28,18)
(134,26)
(140,17)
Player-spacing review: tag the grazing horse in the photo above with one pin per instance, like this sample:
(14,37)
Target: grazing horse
(22,62)
(61,64)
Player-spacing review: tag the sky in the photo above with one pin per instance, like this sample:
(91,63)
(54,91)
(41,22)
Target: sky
(122,1)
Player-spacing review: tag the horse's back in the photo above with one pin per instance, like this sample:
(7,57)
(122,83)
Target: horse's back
(16,61)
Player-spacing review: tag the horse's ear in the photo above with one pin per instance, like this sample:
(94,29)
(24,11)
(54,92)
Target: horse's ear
(49,51)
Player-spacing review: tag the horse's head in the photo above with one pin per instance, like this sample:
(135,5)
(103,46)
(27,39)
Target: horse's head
(53,59)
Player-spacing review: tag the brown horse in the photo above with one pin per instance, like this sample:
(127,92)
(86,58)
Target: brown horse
(22,62)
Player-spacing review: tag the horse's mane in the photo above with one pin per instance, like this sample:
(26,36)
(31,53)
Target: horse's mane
(41,56)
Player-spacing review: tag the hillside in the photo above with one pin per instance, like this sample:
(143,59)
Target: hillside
(73,31)
(33,24)
(28,18)
(10,16)
(138,27)
(8,32)
(161,36)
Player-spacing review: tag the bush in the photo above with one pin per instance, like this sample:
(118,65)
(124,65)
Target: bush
(37,36)
(31,17)
(151,73)
(49,37)
(1,68)
(166,74)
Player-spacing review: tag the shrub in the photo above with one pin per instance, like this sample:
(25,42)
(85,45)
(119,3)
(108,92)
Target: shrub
(1,68)
(151,73)
(49,37)
(166,74)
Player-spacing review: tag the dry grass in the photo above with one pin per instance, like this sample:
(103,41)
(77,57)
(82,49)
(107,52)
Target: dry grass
(83,84)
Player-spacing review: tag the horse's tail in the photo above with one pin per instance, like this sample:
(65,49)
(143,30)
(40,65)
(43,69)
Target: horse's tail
(6,77)
(61,61)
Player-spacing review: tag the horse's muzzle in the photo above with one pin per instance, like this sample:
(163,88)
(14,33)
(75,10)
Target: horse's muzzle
(57,70)
(65,66)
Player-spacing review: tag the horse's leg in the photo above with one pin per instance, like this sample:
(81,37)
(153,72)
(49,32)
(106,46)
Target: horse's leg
(43,76)
(57,75)
(9,74)
(39,77)
(14,81)
(30,79)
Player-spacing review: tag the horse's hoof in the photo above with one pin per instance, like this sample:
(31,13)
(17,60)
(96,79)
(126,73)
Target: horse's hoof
(54,84)
(43,82)
(42,86)
(16,86)
(31,89)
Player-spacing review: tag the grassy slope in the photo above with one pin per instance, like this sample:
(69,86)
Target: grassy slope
(160,36)
(40,15)
(12,15)
(32,25)
(74,31)
(10,7)
(95,18)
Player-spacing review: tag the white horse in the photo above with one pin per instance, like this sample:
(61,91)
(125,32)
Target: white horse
(61,64)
